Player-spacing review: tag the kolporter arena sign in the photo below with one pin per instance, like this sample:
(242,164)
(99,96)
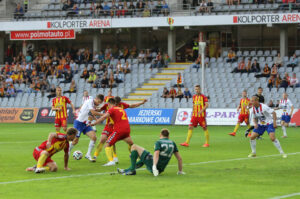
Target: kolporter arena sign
(150,116)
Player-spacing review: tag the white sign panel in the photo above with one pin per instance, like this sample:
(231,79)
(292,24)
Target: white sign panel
(179,21)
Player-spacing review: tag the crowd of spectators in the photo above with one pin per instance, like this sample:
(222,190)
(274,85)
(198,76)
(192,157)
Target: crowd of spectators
(275,81)
(120,8)
(172,93)
(205,7)
(35,68)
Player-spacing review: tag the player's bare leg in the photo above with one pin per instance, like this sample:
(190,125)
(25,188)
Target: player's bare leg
(206,134)
(189,136)
(283,126)
(52,166)
(253,145)
(277,144)
(93,139)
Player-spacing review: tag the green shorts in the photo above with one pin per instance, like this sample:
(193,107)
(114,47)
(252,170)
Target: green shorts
(147,159)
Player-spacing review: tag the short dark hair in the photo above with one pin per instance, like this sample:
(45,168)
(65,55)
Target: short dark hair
(260,88)
(100,97)
(165,132)
(198,86)
(112,101)
(71,131)
(118,99)
(255,97)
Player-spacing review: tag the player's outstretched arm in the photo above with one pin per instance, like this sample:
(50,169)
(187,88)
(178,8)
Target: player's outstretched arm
(96,113)
(292,110)
(274,119)
(155,161)
(50,138)
(138,104)
(73,107)
(66,159)
(179,159)
(101,119)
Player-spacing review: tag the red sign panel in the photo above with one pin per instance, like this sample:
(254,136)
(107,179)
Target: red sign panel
(42,35)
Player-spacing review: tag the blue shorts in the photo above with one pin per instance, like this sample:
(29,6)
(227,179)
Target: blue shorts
(286,118)
(81,128)
(262,128)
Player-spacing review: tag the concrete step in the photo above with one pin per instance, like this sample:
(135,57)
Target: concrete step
(136,98)
(132,101)
(145,91)
(159,81)
(140,94)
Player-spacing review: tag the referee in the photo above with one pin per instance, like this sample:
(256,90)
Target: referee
(261,99)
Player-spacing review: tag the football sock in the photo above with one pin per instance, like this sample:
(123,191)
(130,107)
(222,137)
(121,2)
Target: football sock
(206,133)
(253,145)
(109,153)
(41,160)
(114,151)
(249,127)
(189,136)
(237,126)
(47,168)
(134,156)
(277,145)
(284,130)
(129,148)
(91,146)
(98,149)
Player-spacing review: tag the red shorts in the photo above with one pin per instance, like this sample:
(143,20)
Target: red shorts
(37,153)
(117,136)
(244,118)
(108,130)
(198,120)
(60,123)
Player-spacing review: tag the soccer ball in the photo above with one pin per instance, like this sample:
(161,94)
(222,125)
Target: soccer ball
(77,155)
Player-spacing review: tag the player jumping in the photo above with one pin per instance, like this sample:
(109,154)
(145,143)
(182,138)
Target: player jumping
(55,143)
(81,123)
(264,119)
(108,129)
(244,114)
(164,149)
(59,105)
(200,104)
(286,105)
(121,128)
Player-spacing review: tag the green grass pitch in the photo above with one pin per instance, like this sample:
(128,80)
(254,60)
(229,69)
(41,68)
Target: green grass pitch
(221,171)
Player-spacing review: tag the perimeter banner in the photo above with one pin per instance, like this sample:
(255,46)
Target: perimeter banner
(42,35)
(18,115)
(46,115)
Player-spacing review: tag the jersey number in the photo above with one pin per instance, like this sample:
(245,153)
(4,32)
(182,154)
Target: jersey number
(124,114)
(166,148)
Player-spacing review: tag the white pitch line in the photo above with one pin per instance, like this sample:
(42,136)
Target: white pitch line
(95,174)
(286,196)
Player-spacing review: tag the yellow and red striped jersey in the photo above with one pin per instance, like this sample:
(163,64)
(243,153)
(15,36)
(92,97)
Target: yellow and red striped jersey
(57,144)
(244,104)
(61,102)
(199,102)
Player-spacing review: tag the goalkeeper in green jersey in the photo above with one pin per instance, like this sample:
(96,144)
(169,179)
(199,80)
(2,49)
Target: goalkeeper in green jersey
(163,151)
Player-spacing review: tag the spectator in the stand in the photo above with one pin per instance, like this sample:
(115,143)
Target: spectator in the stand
(111,81)
(19,12)
(119,77)
(166,60)
(271,82)
(99,9)
(179,82)
(119,66)
(141,57)
(104,81)
(72,88)
(271,104)
(133,52)
(152,6)
(278,60)
(248,67)
(284,83)
(85,73)
(93,9)
(126,67)
(288,78)
(11,91)
(197,63)
(187,94)
(92,77)
(293,62)
(73,11)
(179,94)
(202,7)
(266,72)
(240,68)
(106,9)
(294,81)
(73,66)
(2,91)
(165,93)
(255,66)
(274,70)
(146,12)
(131,8)
(139,8)
(158,7)
(68,76)
(278,81)
(67,4)
(157,62)
(231,56)
(119,7)
(165,8)
(210,6)
(172,93)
